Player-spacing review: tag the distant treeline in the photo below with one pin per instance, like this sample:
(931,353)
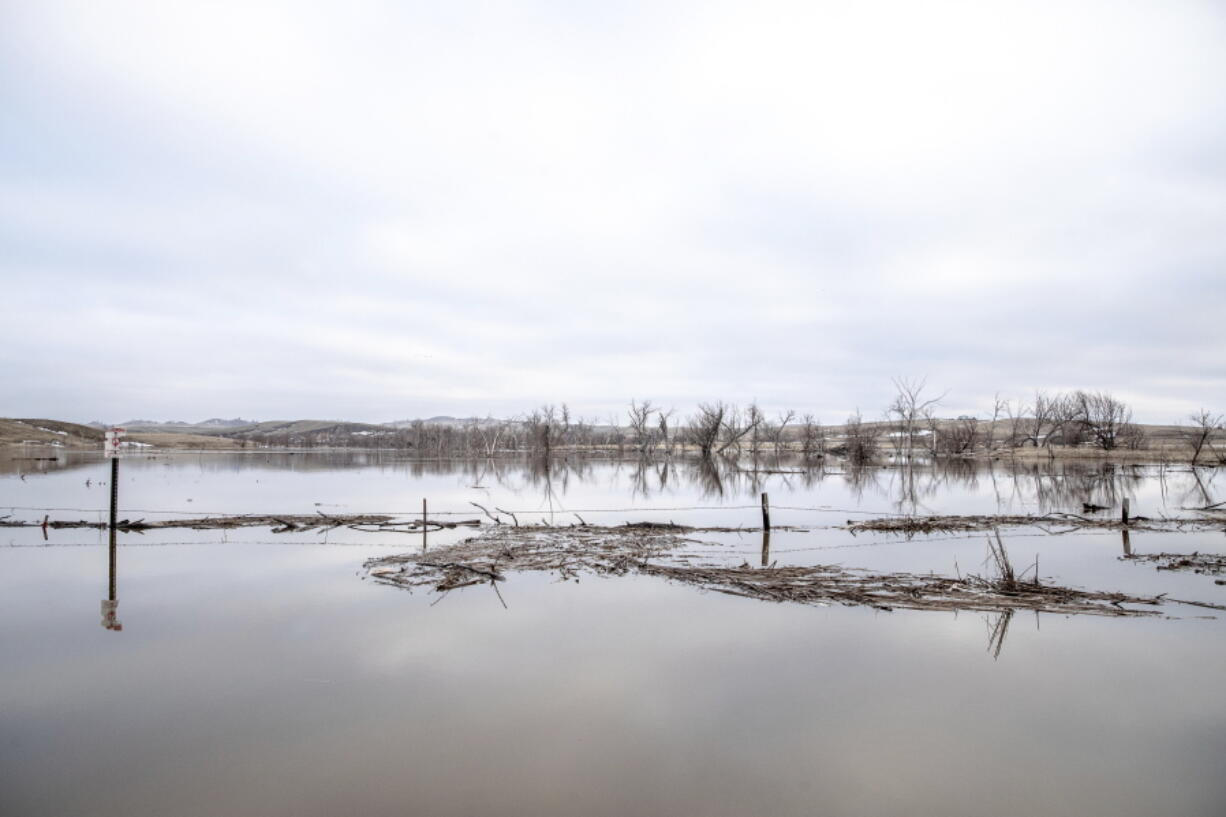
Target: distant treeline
(909,427)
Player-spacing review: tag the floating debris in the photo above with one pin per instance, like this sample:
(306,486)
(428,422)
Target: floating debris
(662,551)
(911,525)
(1211,564)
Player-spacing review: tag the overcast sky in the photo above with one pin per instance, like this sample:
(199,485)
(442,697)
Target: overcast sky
(387,210)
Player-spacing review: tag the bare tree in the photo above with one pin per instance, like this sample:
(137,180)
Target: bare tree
(861,439)
(1066,424)
(998,408)
(543,429)
(1045,420)
(703,429)
(489,434)
(908,411)
(755,428)
(1016,413)
(565,428)
(1103,417)
(662,418)
(735,428)
(955,437)
(641,426)
(780,426)
(1132,437)
(1042,418)
(812,437)
(1200,434)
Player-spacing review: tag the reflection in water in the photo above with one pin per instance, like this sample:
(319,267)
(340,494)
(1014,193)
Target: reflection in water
(302,694)
(1197,493)
(710,475)
(110,605)
(999,630)
(910,487)
(647,470)
(861,479)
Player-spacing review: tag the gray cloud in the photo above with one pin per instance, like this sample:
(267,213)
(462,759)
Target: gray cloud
(389,210)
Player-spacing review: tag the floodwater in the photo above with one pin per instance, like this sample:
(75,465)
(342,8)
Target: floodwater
(253,673)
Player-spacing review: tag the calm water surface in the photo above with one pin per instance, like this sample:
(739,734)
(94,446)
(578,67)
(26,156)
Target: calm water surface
(261,674)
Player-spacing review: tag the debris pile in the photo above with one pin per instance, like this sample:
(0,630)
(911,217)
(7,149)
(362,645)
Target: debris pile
(670,553)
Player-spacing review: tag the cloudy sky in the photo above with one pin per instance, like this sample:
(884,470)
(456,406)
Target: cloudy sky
(387,210)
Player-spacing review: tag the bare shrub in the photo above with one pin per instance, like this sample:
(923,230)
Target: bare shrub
(1132,437)
(862,439)
(954,438)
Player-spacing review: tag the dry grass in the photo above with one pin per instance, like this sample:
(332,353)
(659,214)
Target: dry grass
(46,432)
(195,442)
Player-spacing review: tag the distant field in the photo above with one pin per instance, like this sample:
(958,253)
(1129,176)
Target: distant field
(73,435)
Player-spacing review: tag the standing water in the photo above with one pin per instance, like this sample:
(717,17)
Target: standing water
(243,671)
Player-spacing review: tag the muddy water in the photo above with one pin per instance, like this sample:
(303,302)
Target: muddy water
(259,673)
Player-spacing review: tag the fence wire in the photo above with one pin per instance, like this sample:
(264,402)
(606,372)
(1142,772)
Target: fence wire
(417,512)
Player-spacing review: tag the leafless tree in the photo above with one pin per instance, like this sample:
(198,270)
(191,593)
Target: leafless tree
(1037,429)
(1066,425)
(955,437)
(1016,415)
(546,428)
(1132,437)
(666,437)
(908,411)
(812,437)
(1045,420)
(641,425)
(998,408)
(1103,417)
(703,429)
(565,427)
(861,439)
(1200,433)
(736,427)
(489,434)
(754,427)
(779,427)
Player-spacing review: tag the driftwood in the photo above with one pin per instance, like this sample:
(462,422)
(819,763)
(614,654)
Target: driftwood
(661,551)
